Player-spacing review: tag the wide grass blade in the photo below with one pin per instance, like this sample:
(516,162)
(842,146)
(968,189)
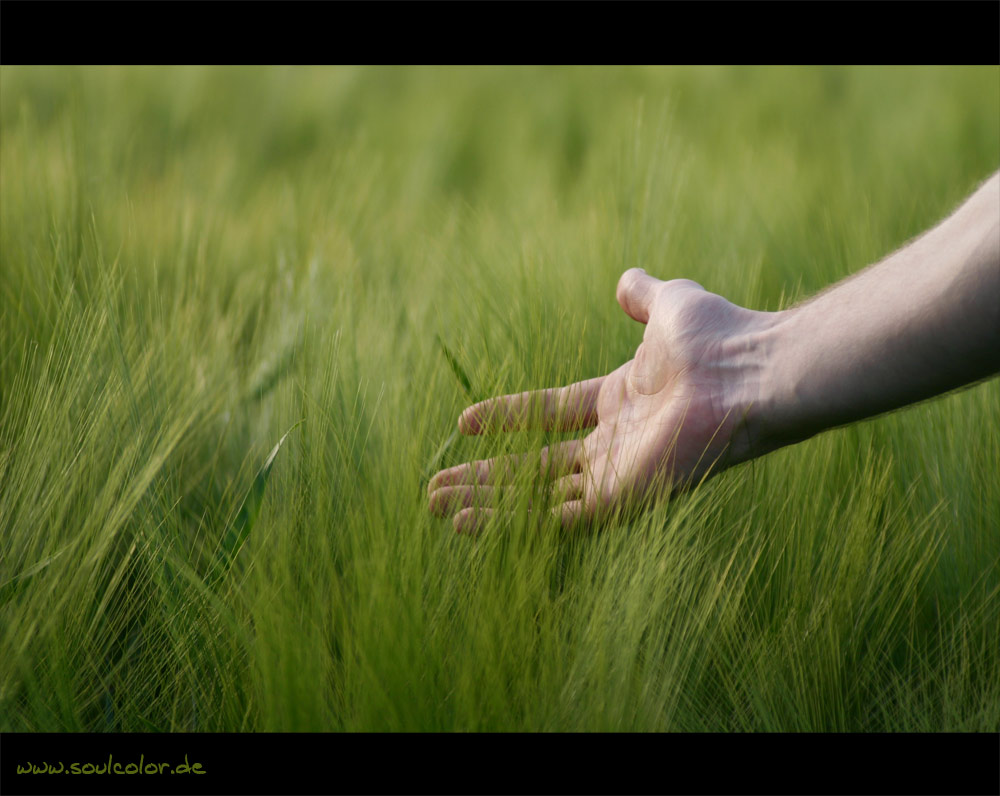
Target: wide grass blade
(466,384)
(457,369)
(238,532)
(435,461)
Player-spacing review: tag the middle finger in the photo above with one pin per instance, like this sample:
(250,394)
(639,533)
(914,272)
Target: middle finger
(554,460)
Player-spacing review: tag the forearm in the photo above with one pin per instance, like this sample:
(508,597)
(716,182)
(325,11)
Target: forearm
(921,322)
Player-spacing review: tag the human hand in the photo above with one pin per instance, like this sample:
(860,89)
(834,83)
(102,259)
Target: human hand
(714,384)
(663,421)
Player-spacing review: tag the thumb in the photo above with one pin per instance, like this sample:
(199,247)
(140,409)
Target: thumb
(636,291)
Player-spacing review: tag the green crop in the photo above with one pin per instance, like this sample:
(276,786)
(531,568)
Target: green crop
(194,261)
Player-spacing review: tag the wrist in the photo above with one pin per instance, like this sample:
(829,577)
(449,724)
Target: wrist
(761,418)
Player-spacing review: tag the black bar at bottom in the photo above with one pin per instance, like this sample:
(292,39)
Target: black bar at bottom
(267,763)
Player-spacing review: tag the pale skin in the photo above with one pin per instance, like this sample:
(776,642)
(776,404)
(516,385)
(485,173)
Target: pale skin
(713,384)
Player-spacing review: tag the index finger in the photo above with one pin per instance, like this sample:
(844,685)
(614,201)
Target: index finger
(556,409)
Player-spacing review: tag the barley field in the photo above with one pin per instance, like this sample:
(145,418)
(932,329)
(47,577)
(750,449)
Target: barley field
(242,308)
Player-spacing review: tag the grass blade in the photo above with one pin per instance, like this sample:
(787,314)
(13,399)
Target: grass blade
(466,384)
(457,369)
(239,531)
(13,587)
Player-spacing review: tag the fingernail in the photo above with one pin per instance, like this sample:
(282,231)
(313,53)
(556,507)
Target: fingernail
(466,423)
(466,521)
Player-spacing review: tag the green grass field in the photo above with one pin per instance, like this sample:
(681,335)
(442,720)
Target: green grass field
(200,263)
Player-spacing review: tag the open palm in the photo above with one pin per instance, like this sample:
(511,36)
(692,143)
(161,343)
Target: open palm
(662,421)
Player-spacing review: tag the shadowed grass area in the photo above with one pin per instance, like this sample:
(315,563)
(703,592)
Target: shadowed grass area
(196,260)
